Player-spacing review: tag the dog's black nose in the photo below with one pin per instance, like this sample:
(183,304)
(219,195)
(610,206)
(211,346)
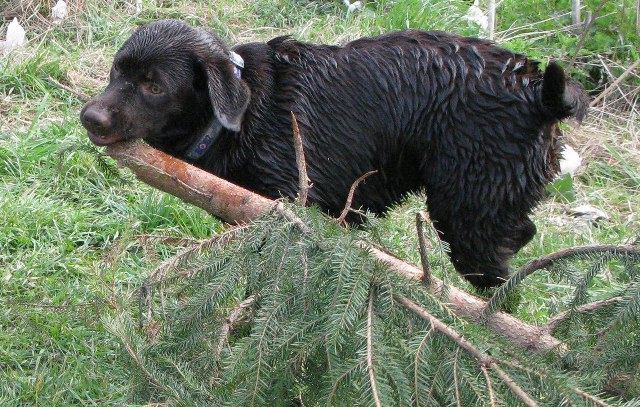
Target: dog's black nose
(95,119)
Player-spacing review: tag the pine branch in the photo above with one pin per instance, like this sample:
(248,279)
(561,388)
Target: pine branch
(237,205)
(416,364)
(482,358)
(159,274)
(492,395)
(456,385)
(576,390)
(370,368)
(544,262)
(594,306)
(464,304)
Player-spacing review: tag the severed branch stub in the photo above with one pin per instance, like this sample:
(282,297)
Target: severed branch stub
(303,179)
(352,191)
(234,204)
(421,221)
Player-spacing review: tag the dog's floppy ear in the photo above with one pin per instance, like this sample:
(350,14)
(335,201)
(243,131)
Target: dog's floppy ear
(229,95)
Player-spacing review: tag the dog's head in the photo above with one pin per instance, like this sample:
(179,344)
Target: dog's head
(165,83)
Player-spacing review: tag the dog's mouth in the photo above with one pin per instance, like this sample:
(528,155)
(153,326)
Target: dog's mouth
(105,141)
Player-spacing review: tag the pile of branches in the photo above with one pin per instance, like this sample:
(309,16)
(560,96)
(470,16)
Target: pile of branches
(291,308)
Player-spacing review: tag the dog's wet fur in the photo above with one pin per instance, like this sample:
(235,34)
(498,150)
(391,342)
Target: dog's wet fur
(472,124)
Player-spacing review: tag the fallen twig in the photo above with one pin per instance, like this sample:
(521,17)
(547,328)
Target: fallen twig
(82,96)
(615,84)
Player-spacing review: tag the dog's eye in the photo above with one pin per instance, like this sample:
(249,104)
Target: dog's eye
(152,88)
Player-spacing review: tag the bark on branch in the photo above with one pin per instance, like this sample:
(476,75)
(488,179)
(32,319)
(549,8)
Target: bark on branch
(231,203)
(234,204)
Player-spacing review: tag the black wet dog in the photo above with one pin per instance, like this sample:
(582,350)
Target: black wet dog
(472,124)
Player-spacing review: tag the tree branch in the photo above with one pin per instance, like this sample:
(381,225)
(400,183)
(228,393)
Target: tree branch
(237,205)
(220,198)
(553,322)
(466,305)
(482,358)
(548,260)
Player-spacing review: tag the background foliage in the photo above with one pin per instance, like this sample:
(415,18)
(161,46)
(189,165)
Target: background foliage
(77,239)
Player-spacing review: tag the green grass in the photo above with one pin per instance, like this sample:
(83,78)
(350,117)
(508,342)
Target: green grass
(71,231)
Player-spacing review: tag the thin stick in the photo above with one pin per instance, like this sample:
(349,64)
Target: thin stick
(352,191)
(491,19)
(553,322)
(455,377)
(225,329)
(82,96)
(372,378)
(583,37)
(421,220)
(615,84)
(481,357)
(492,396)
(303,178)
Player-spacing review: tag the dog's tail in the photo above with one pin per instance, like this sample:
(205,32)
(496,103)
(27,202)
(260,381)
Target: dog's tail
(564,98)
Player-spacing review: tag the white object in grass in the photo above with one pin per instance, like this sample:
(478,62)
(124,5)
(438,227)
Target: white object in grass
(59,11)
(477,16)
(352,6)
(588,213)
(570,161)
(15,35)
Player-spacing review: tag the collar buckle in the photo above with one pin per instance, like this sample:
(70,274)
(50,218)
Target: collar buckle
(238,63)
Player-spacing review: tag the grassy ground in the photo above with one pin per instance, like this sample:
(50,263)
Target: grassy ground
(71,230)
